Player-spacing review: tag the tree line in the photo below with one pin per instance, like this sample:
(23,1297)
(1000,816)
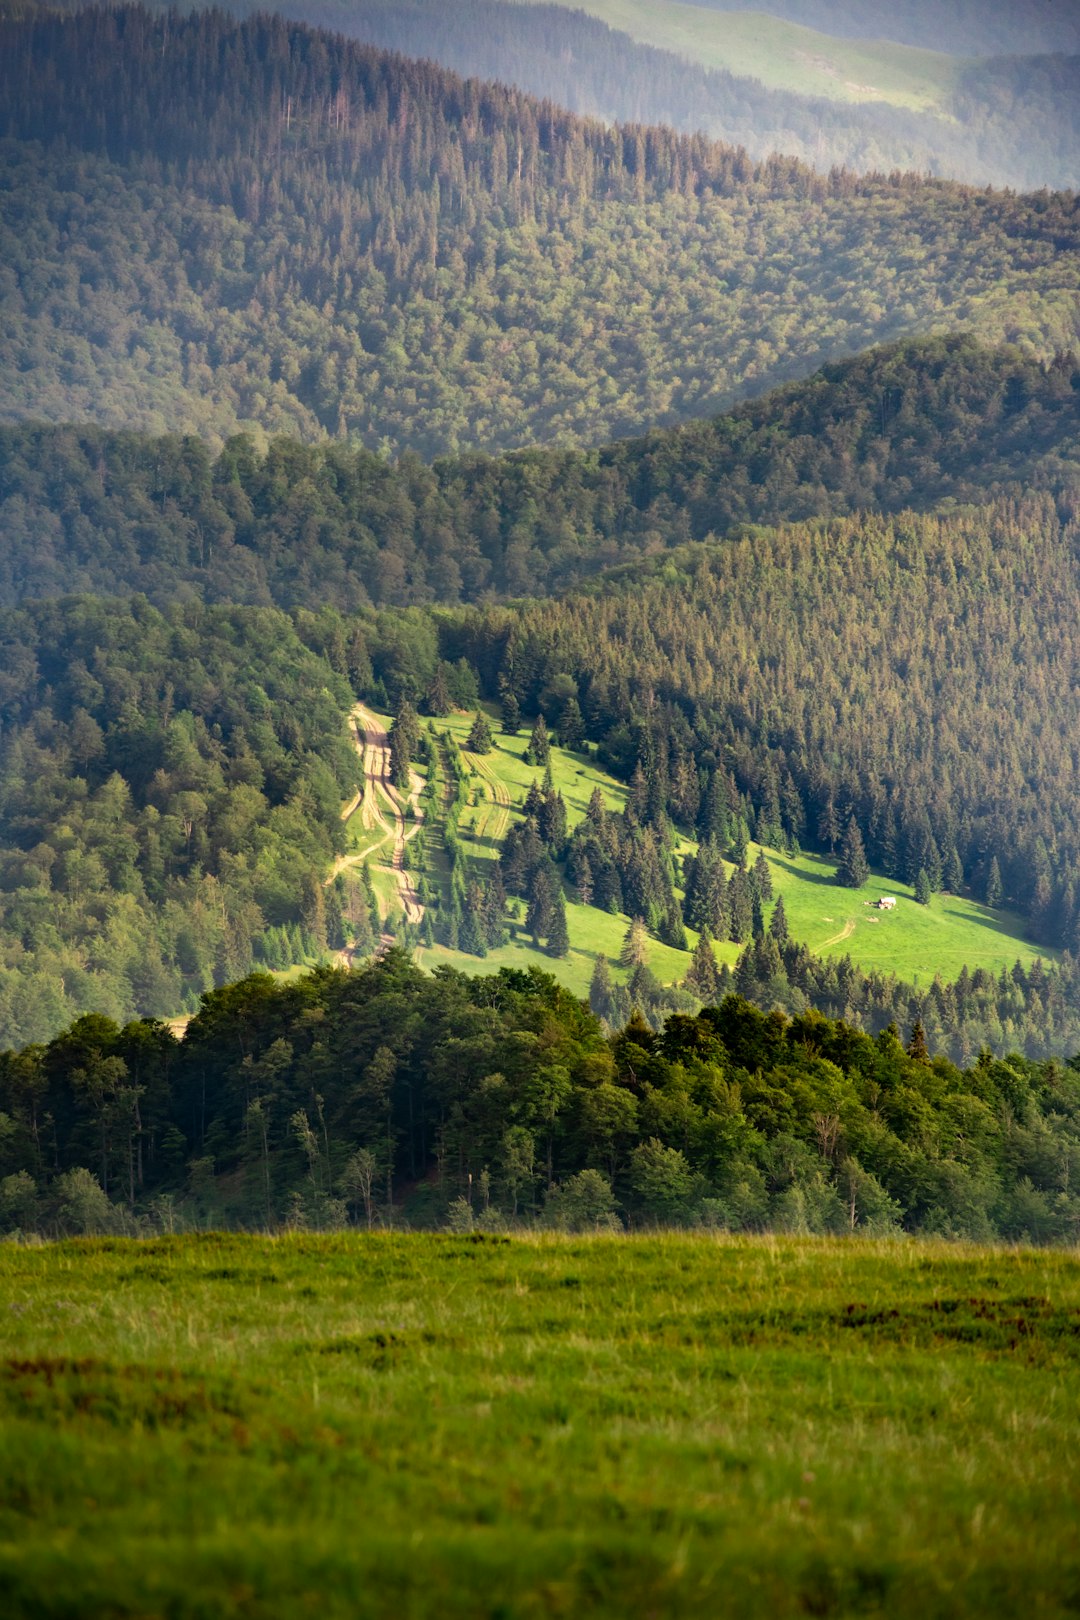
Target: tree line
(910,425)
(387,1095)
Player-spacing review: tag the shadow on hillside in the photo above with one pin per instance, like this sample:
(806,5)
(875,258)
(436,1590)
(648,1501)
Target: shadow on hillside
(826,879)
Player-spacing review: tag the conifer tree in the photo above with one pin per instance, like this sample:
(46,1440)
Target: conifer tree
(601,989)
(853,869)
(703,977)
(558,944)
(510,714)
(479,739)
(539,749)
(922,887)
(762,874)
(778,925)
(571,725)
(994,888)
(634,945)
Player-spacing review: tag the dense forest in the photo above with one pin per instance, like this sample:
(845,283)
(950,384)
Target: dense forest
(1009,122)
(907,426)
(170,805)
(210,224)
(388,1094)
(917,675)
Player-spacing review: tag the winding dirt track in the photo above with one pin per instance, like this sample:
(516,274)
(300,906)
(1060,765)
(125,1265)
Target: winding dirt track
(406,814)
(838,939)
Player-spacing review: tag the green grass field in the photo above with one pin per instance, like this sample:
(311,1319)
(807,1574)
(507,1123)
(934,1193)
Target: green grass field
(423,1426)
(915,942)
(784,55)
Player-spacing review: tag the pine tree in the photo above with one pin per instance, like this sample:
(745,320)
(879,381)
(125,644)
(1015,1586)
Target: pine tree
(922,887)
(510,714)
(703,977)
(479,739)
(571,725)
(539,749)
(853,869)
(438,701)
(601,990)
(829,825)
(762,874)
(634,945)
(954,871)
(917,1047)
(778,926)
(541,904)
(558,944)
(994,887)
(585,881)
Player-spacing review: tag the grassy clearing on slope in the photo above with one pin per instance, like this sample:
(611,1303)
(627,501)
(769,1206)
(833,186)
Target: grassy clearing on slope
(784,55)
(914,941)
(423,1426)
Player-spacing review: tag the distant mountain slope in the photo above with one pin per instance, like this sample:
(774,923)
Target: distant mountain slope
(963,27)
(210,224)
(907,426)
(1005,122)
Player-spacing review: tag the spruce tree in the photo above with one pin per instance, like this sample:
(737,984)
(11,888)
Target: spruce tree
(479,739)
(601,989)
(558,944)
(703,977)
(922,887)
(539,749)
(634,945)
(510,714)
(994,887)
(853,869)
(778,926)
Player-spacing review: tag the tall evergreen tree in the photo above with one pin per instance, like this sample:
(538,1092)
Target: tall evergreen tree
(853,870)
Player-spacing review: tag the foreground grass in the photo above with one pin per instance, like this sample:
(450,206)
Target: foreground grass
(422,1426)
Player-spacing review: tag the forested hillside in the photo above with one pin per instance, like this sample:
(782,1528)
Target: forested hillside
(300,526)
(915,675)
(346,1094)
(170,798)
(1005,122)
(210,224)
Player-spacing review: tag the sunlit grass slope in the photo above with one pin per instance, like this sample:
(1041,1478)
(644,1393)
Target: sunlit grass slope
(424,1426)
(784,55)
(914,941)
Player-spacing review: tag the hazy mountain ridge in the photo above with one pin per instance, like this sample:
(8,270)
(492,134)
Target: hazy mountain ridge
(906,426)
(213,224)
(1008,122)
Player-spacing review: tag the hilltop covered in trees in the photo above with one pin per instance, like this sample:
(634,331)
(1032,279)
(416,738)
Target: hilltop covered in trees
(349,1096)
(210,224)
(905,426)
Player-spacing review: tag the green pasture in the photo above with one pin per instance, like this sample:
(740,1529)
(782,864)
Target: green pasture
(914,941)
(415,1426)
(784,55)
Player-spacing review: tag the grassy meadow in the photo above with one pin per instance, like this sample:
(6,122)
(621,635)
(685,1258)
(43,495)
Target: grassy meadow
(784,55)
(914,941)
(413,1426)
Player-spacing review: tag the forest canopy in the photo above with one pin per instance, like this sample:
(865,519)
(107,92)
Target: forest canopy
(212,225)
